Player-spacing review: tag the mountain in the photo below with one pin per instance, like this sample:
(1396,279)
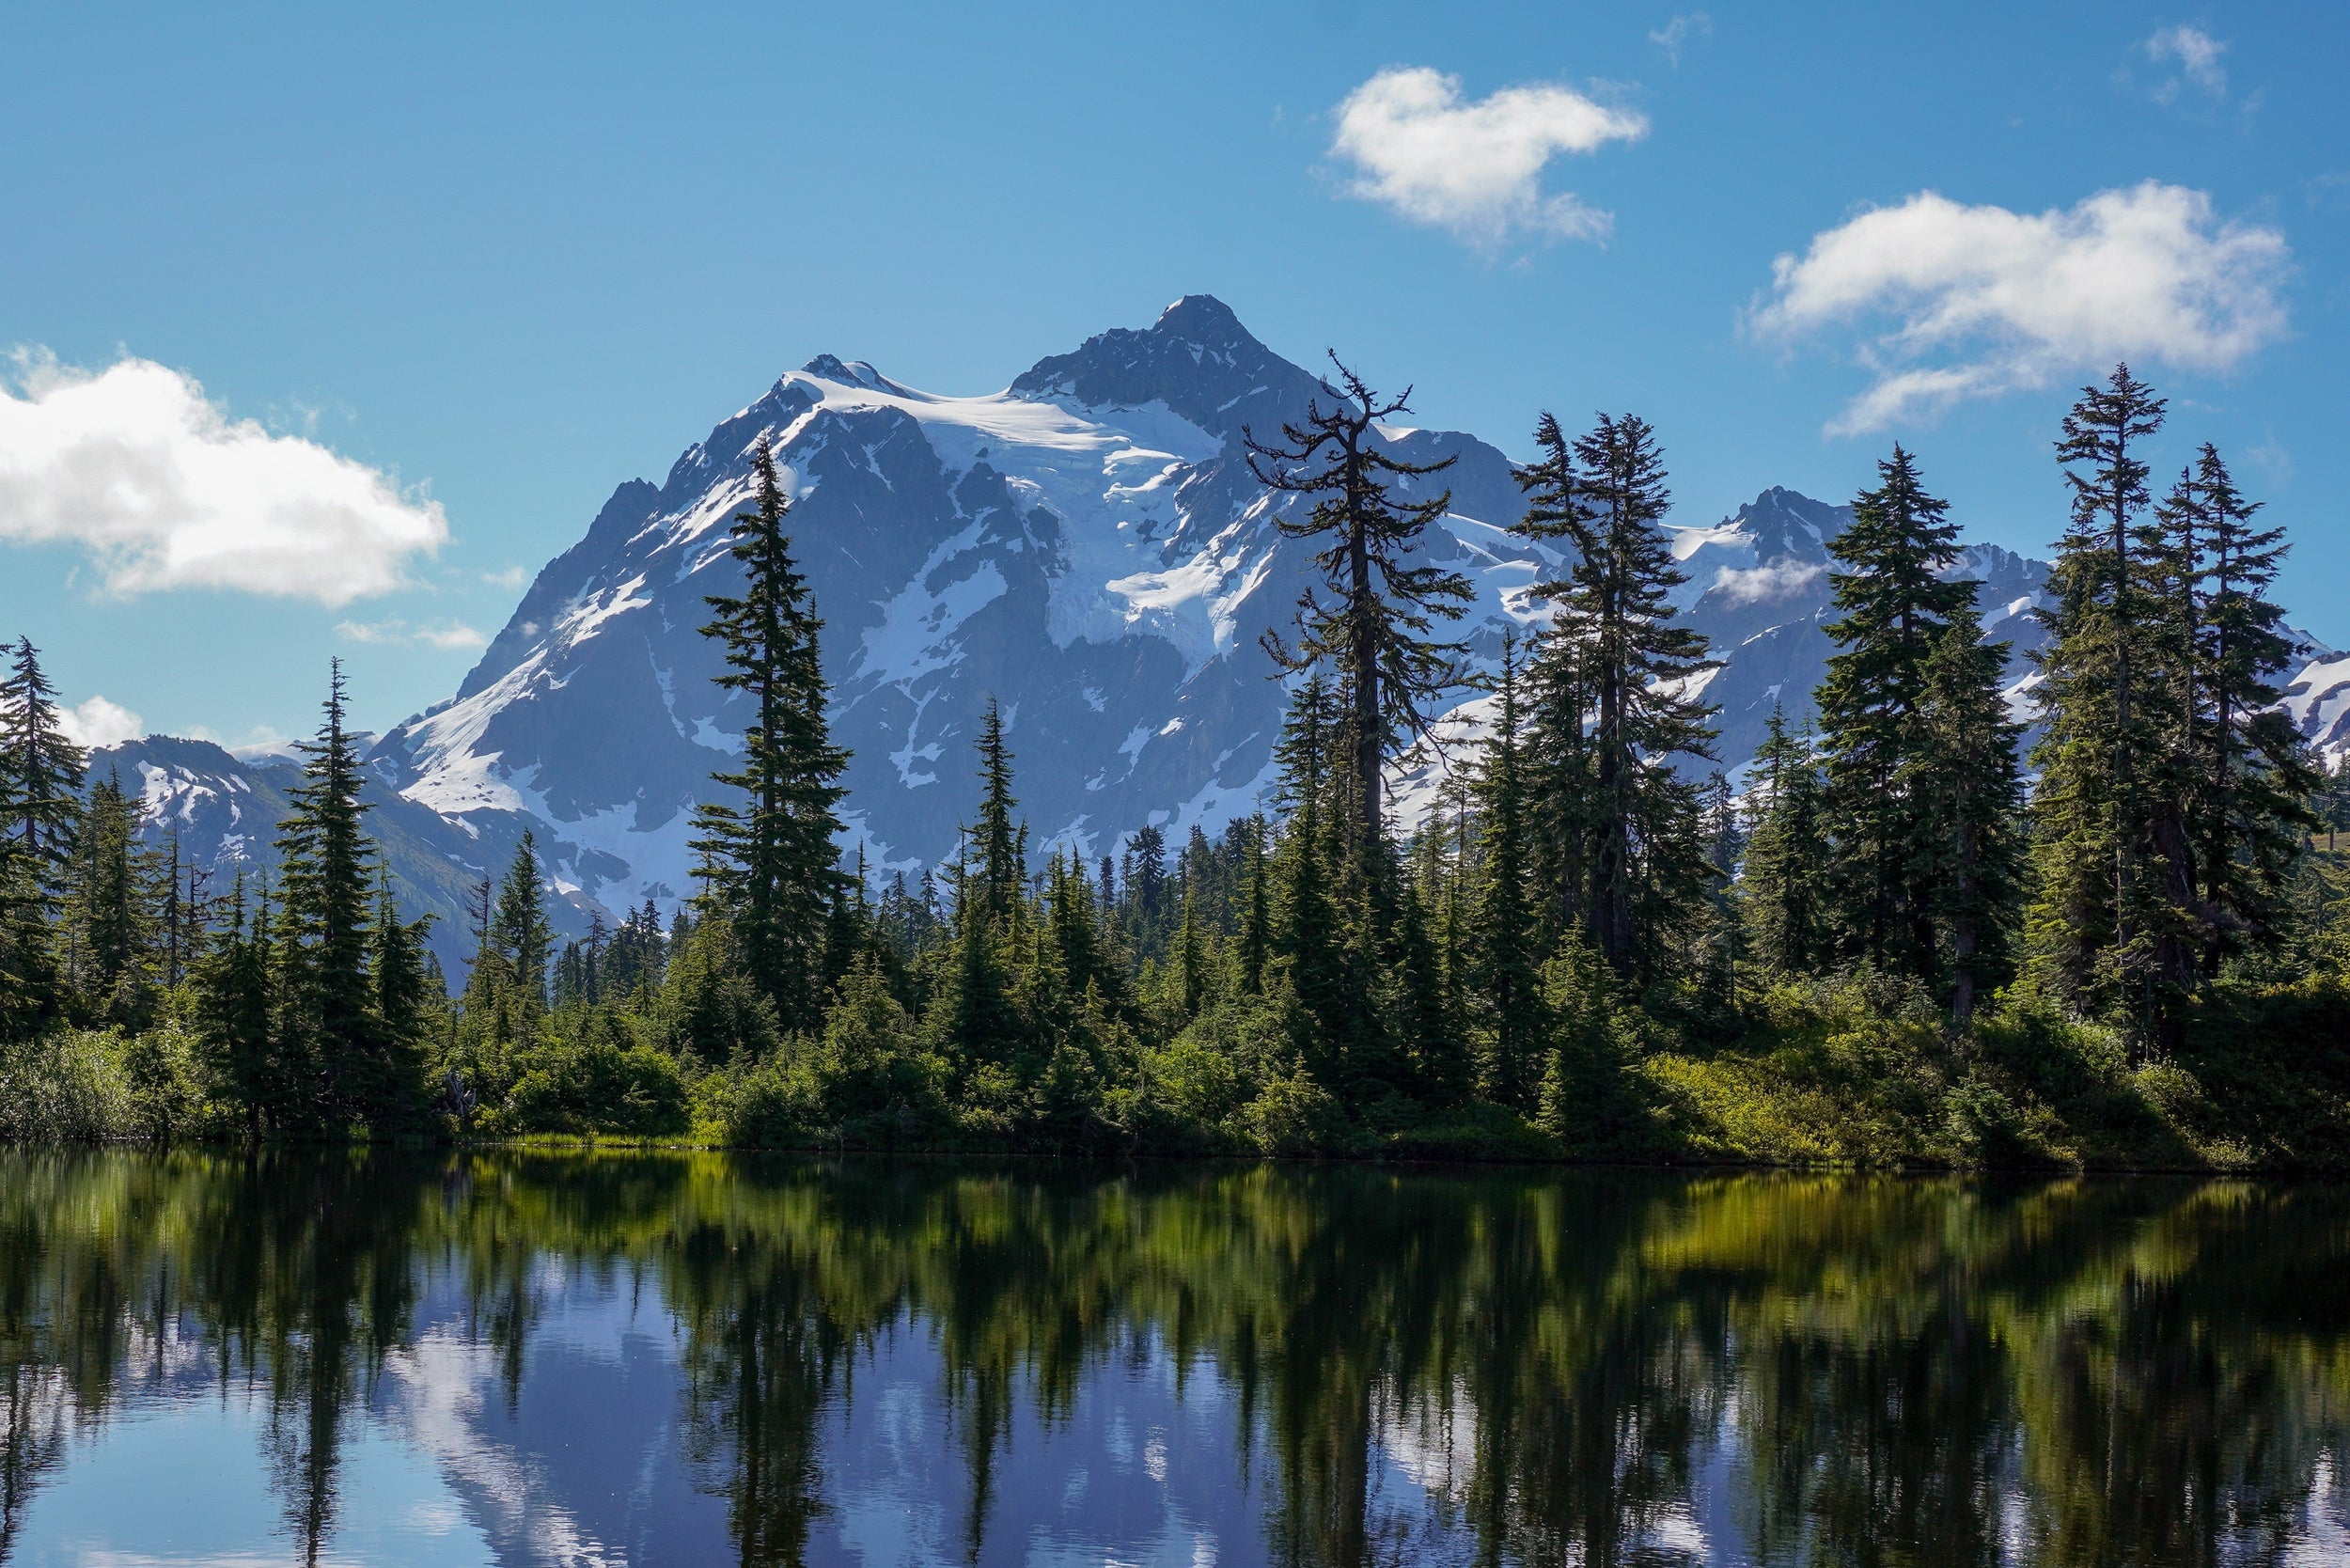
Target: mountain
(1087,546)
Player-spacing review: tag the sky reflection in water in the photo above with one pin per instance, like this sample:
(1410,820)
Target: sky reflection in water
(683,1359)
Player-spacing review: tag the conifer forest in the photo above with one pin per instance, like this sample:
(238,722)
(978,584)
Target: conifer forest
(2101,920)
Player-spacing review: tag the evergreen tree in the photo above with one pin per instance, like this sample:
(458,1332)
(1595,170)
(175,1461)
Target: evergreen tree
(2249,804)
(1256,932)
(981,1020)
(1785,850)
(234,1015)
(1721,936)
(406,994)
(40,771)
(327,870)
(2093,924)
(1895,600)
(520,934)
(110,924)
(1967,796)
(1306,926)
(1643,859)
(1506,966)
(773,861)
(1373,630)
(1003,870)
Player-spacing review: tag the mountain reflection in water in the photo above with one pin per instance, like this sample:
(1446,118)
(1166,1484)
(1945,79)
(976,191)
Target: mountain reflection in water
(654,1359)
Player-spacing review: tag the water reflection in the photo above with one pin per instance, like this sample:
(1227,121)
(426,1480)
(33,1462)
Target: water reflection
(531,1359)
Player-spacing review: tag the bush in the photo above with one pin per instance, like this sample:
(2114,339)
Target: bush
(596,1084)
(66,1087)
(767,1105)
(1294,1115)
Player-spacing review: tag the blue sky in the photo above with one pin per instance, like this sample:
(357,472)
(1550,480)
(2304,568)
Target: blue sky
(470,268)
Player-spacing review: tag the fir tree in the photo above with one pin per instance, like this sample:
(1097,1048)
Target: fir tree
(1003,870)
(234,1022)
(107,912)
(1967,796)
(1721,938)
(323,929)
(2249,799)
(520,934)
(41,773)
(1506,966)
(1895,600)
(2090,921)
(773,861)
(1374,629)
(1642,858)
(1786,849)
(1256,930)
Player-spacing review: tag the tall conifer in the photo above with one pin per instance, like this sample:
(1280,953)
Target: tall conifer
(1508,968)
(1643,862)
(1374,630)
(1786,848)
(771,861)
(1895,598)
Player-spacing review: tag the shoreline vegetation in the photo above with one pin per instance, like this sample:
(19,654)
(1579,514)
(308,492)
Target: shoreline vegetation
(1903,945)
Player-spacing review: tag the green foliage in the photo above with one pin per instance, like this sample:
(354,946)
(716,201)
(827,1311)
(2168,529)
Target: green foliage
(598,1081)
(767,853)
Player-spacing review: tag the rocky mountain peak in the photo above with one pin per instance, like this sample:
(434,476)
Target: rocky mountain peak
(1197,359)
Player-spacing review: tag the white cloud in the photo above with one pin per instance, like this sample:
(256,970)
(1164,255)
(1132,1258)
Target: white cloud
(508,578)
(1474,168)
(2197,53)
(163,491)
(446,635)
(1777,579)
(1679,32)
(1984,300)
(100,722)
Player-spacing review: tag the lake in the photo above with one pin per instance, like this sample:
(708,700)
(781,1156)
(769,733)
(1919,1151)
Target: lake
(687,1358)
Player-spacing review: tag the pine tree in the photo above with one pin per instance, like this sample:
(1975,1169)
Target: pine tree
(1374,630)
(234,1014)
(2089,919)
(1306,926)
(773,861)
(1786,848)
(1721,938)
(2251,784)
(1895,600)
(327,872)
(984,1025)
(1256,930)
(520,934)
(1506,966)
(112,927)
(41,773)
(1967,794)
(1642,857)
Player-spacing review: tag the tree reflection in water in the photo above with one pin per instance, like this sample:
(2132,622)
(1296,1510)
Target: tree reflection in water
(1537,1368)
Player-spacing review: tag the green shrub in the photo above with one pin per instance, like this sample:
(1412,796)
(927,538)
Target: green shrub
(596,1085)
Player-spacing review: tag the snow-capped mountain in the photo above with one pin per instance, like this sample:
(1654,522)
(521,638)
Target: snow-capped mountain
(1087,546)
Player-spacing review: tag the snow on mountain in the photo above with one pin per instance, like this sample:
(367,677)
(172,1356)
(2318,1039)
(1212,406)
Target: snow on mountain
(2318,701)
(1086,546)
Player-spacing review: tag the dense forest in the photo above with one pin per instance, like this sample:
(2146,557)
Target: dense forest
(1904,941)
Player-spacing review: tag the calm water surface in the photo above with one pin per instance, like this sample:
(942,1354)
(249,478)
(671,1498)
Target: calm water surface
(690,1359)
